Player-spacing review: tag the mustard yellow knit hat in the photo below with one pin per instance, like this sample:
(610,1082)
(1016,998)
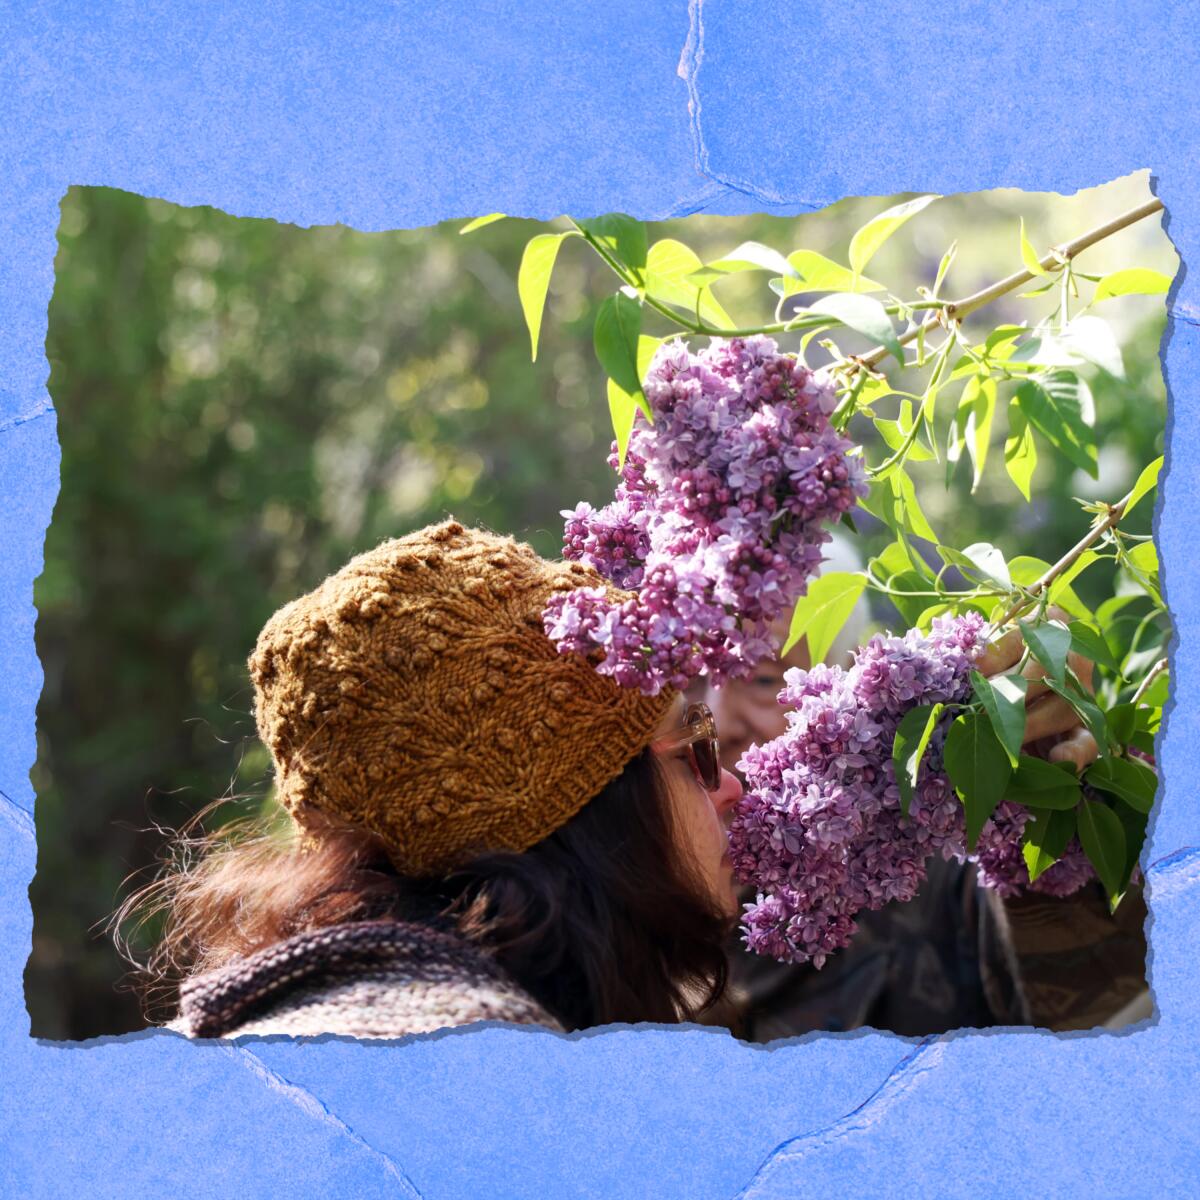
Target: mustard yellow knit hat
(415,694)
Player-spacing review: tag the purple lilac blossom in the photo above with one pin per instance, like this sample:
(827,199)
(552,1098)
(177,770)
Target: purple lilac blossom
(819,832)
(718,520)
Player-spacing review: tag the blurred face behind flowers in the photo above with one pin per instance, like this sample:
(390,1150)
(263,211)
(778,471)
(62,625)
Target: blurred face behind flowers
(748,711)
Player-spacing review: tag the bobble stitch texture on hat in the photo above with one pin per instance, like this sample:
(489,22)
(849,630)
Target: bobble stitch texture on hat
(415,694)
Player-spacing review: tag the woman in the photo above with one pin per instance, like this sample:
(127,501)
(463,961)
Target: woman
(482,828)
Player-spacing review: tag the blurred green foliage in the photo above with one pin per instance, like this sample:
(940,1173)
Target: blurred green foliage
(244,404)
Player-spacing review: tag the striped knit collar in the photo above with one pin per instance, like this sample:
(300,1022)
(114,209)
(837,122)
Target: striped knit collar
(215,1003)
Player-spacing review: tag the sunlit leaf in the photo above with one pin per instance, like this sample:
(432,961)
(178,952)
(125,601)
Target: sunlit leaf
(1132,281)
(622,408)
(1147,481)
(944,266)
(1029,256)
(480,222)
(820,615)
(669,259)
(749,256)
(877,230)
(1092,339)
(533,280)
(820,274)
(1020,454)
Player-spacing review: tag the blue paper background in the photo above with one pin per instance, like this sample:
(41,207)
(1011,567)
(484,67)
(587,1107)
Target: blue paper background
(402,114)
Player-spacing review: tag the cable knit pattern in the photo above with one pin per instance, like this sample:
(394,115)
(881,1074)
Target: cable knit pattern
(415,694)
(381,979)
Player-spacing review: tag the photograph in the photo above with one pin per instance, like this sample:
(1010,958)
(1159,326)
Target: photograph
(750,622)
(599,601)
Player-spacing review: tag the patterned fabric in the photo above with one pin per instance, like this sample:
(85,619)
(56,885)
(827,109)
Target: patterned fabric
(415,694)
(954,957)
(380,979)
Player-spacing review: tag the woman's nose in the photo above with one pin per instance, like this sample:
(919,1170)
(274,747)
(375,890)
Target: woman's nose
(728,794)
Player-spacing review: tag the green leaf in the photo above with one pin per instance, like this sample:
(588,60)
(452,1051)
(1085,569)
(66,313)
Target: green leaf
(1060,406)
(1003,698)
(749,256)
(897,432)
(909,607)
(909,746)
(1128,778)
(1122,721)
(1144,557)
(618,324)
(1049,643)
(1086,708)
(1134,824)
(692,300)
(1029,256)
(944,266)
(1103,840)
(1092,338)
(480,222)
(670,259)
(876,231)
(622,407)
(647,346)
(820,274)
(1026,570)
(1020,454)
(820,615)
(1132,281)
(622,236)
(864,315)
(978,767)
(906,512)
(979,425)
(1090,643)
(1045,839)
(533,280)
(1060,589)
(1147,481)
(989,562)
(1037,783)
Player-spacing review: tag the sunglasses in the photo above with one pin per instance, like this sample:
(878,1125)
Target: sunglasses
(699,735)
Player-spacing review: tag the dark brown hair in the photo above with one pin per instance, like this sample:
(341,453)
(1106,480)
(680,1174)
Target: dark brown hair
(602,921)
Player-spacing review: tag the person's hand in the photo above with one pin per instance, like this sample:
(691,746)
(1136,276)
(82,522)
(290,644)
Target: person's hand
(1053,729)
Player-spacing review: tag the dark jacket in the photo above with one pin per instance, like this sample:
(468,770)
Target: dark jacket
(956,956)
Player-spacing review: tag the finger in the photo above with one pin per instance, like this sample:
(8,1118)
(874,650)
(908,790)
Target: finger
(1083,668)
(1079,748)
(1003,653)
(1049,715)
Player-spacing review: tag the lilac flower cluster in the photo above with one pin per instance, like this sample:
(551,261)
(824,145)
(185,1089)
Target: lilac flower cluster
(718,519)
(819,830)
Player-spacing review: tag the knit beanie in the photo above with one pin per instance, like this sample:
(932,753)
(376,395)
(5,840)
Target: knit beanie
(415,694)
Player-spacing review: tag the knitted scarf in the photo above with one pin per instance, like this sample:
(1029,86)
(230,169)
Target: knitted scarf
(380,979)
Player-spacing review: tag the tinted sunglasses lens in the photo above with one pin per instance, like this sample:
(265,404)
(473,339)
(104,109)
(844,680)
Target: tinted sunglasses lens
(708,762)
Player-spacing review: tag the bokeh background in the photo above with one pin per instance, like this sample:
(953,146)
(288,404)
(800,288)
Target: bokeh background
(243,405)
